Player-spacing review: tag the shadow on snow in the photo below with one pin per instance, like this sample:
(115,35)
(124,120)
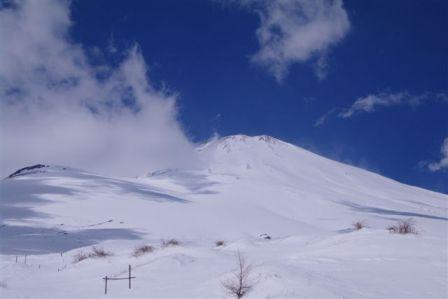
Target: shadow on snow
(380,211)
(34,240)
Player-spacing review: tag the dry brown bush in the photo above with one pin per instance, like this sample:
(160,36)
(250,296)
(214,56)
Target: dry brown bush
(170,242)
(403,227)
(359,225)
(219,243)
(141,250)
(80,256)
(239,285)
(99,252)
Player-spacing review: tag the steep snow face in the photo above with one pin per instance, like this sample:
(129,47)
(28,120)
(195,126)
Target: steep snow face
(268,156)
(251,186)
(301,185)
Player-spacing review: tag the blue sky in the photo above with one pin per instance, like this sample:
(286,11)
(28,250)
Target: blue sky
(202,50)
(389,56)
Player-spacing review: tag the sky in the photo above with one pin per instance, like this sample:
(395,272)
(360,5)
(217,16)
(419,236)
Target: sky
(130,87)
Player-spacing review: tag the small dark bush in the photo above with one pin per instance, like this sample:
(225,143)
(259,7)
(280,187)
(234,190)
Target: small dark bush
(219,243)
(3,285)
(141,250)
(170,242)
(80,256)
(403,227)
(99,252)
(359,225)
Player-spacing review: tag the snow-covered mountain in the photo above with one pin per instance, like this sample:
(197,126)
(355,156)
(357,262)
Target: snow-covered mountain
(249,187)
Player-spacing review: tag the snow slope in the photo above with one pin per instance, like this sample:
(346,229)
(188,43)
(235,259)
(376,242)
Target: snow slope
(250,186)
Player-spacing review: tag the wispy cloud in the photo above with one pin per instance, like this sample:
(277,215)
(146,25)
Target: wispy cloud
(297,31)
(443,163)
(373,102)
(322,119)
(56,107)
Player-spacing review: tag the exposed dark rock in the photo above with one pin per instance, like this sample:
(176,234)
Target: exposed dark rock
(24,170)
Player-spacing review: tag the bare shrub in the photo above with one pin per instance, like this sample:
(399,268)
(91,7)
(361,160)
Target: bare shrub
(170,242)
(359,225)
(98,252)
(80,256)
(219,243)
(3,285)
(239,285)
(141,250)
(403,227)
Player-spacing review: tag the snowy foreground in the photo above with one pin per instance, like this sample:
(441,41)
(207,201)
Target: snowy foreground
(250,188)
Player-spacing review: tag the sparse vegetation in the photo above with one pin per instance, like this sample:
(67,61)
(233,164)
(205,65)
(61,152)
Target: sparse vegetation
(170,242)
(80,256)
(3,285)
(359,225)
(219,243)
(239,285)
(97,252)
(403,227)
(141,250)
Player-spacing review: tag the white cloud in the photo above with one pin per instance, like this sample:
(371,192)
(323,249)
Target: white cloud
(297,31)
(321,120)
(443,163)
(373,102)
(57,108)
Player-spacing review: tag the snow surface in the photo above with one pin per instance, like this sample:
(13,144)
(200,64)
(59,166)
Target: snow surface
(250,187)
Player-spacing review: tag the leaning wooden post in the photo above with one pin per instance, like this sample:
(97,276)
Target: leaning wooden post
(129,276)
(105,285)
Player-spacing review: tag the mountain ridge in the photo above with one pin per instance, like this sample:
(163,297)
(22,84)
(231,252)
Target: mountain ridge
(288,210)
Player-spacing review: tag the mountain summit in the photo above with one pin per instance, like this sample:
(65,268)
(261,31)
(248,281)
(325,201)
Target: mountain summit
(291,211)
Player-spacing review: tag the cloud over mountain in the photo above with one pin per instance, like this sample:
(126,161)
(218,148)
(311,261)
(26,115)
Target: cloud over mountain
(58,107)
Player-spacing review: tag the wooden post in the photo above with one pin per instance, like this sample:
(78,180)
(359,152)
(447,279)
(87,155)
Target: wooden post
(16,259)
(25,259)
(129,276)
(105,285)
